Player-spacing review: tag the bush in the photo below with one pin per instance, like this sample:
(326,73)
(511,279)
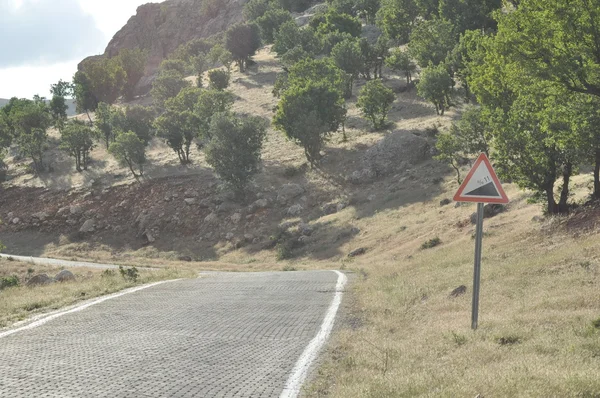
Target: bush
(270,23)
(108,273)
(375,101)
(9,281)
(436,86)
(128,149)
(596,323)
(219,79)
(130,274)
(431,243)
(76,140)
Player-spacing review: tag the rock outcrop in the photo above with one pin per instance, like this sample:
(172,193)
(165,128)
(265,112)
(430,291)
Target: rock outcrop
(161,28)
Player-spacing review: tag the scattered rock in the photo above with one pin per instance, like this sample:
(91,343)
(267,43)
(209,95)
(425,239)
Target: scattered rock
(211,218)
(363,176)
(249,238)
(357,252)
(10,215)
(295,210)
(76,210)
(204,204)
(149,237)
(39,280)
(289,192)
(64,276)
(190,201)
(459,291)
(63,210)
(260,204)
(537,219)
(304,239)
(226,207)
(355,230)
(445,202)
(229,236)
(236,218)
(190,193)
(493,209)
(341,206)
(15,220)
(184,258)
(88,226)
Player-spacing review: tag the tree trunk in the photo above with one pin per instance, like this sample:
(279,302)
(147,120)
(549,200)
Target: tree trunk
(552,207)
(88,115)
(563,206)
(597,175)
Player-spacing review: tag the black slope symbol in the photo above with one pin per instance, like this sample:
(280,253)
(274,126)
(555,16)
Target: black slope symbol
(486,190)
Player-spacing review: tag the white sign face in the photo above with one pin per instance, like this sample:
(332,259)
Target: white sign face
(481,184)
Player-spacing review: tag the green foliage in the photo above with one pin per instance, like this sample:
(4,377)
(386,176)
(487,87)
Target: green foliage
(255,9)
(62,89)
(176,65)
(295,5)
(290,36)
(210,8)
(348,7)
(401,62)
(375,101)
(311,106)
(167,85)
(29,121)
(200,65)
(130,274)
(293,56)
(396,18)
(470,14)
(130,150)
(209,103)
(234,150)
(84,97)
(431,243)
(77,140)
(139,119)
(9,281)
(435,86)
(191,49)
(348,56)
(242,41)
(449,150)
(105,80)
(270,23)
(104,123)
(432,41)
(330,40)
(178,125)
(58,109)
(461,57)
(219,79)
(6,135)
(133,62)
(218,54)
(338,22)
(368,9)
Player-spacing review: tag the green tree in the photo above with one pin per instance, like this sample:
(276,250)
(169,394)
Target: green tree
(219,79)
(470,14)
(167,85)
(375,101)
(255,9)
(191,49)
(436,86)
(130,150)
(140,120)
(200,65)
(242,41)
(84,98)
(312,105)
(432,41)
(368,9)
(291,36)
(397,18)
(176,65)
(218,54)
(76,140)
(449,150)
(401,62)
(209,103)
(105,79)
(58,109)
(342,23)
(29,122)
(104,123)
(347,55)
(179,124)
(234,150)
(461,57)
(270,23)
(133,62)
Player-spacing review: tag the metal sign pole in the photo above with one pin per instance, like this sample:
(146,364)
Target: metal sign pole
(477,272)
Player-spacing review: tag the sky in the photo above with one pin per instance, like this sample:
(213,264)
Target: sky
(42,41)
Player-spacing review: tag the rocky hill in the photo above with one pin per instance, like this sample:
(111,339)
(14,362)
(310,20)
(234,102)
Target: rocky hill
(161,28)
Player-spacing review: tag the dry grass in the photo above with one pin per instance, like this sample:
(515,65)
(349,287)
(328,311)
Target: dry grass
(21,302)
(405,337)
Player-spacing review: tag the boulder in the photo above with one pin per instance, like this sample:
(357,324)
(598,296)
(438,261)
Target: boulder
(184,258)
(445,202)
(204,204)
(39,280)
(459,291)
(41,216)
(211,218)
(295,210)
(88,226)
(329,208)
(289,192)
(64,276)
(236,218)
(15,220)
(229,236)
(395,153)
(190,201)
(149,236)
(357,252)
(226,207)
(76,210)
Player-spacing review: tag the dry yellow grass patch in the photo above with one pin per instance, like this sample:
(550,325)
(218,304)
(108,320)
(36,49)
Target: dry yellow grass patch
(405,337)
(21,302)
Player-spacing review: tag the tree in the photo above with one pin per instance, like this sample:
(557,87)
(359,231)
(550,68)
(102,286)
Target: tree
(436,86)
(449,150)
(396,18)
(293,56)
(461,57)
(133,62)
(140,119)
(375,101)
(270,23)
(29,122)
(191,49)
(311,106)
(76,140)
(342,23)
(6,136)
(242,41)
(104,123)
(219,79)
(401,62)
(84,98)
(347,55)
(470,14)
(105,79)
(130,150)
(167,85)
(200,64)
(179,124)
(295,5)
(62,89)
(255,9)
(58,109)
(173,65)
(432,41)
(291,36)
(234,150)
(209,103)
(218,54)
(368,9)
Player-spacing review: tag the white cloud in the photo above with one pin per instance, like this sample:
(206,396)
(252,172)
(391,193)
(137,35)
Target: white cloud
(42,41)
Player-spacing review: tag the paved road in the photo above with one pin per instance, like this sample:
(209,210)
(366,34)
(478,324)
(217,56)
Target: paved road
(224,335)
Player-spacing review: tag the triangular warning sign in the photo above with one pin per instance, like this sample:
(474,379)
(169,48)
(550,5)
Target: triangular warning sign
(481,184)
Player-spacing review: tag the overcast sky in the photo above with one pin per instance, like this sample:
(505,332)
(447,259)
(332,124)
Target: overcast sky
(42,41)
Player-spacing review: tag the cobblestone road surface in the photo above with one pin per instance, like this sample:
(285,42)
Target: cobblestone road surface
(223,335)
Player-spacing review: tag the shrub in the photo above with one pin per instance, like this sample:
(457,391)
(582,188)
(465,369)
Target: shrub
(431,243)
(130,150)
(436,86)
(130,274)
(76,140)
(9,281)
(219,79)
(375,101)
(596,323)
(108,273)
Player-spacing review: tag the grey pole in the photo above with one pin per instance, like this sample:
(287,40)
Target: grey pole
(477,272)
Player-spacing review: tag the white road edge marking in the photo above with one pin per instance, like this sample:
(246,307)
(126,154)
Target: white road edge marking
(57,314)
(300,372)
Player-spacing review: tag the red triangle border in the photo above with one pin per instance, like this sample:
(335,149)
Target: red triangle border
(459,194)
